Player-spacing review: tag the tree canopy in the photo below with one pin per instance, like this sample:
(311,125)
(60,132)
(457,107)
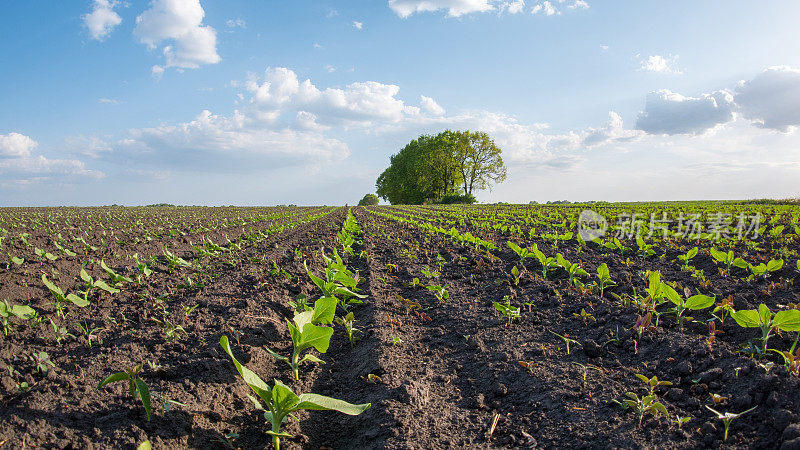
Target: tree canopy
(449,163)
(368,200)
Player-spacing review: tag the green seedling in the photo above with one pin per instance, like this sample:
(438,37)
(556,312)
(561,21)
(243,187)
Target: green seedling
(514,276)
(281,402)
(645,249)
(136,387)
(141,268)
(60,332)
(430,273)
(586,368)
(60,298)
(603,279)
(764,319)
(548,263)
(306,333)
(91,285)
(680,420)
(763,270)
(574,271)
(172,332)
(522,253)
(510,312)
(300,303)
(566,340)
(396,340)
(688,256)
(643,406)
(44,256)
(348,322)
(188,309)
(727,418)
(584,316)
(693,303)
(440,292)
(728,259)
(174,261)
(89,332)
(652,383)
(7,311)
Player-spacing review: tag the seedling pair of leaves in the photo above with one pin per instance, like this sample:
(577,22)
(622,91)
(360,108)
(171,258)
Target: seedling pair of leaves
(763,270)
(60,298)
(91,284)
(281,402)
(136,387)
(603,279)
(688,256)
(764,319)
(522,253)
(44,255)
(306,333)
(348,322)
(7,311)
(574,271)
(440,292)
(728,259)
(510,312)
(692,303)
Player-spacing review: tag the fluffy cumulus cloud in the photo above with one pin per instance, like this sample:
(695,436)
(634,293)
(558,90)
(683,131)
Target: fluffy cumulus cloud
(103,19)
(661,64)
(280,91)
(19,163)
(772,98)
(667,112)
(179,24)
(15,145)
(430,106)
(613,131)
(457,8)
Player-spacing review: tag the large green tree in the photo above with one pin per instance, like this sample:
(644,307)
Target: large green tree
(431,167)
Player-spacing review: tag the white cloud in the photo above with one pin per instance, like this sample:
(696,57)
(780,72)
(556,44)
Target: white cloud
(430,106)
(19,165)
(545,8)
(235,23)
(357,104)
(579,4)
(661,64)
(455,8)
(772,98)
(157,71)
(15,145)
(358,25)
(329,68)
(667,112)
(612,132)
(512,7)
(103,19)
(180,24)
(108,101)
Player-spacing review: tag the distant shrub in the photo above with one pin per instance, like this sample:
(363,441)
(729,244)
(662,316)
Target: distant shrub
(368,200)
(467,199)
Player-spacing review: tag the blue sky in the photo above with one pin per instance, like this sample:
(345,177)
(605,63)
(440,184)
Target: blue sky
(268,102)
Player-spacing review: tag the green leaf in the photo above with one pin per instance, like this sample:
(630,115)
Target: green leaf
(52,287)
(86,277)
(775,264)
(315,336)
(77,301)
(283,399)
(787,320)
(747,318)
(144,395)
(602,272)
(256,384)
(23,311)
(764,314)
(119,376)
(718,255)
(324,310)
(696,302)
(144,446)
(102,285)
(323,403)
(673,296)
(740,263)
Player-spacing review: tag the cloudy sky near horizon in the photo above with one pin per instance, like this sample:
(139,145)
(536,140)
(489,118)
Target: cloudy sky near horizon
(265,102)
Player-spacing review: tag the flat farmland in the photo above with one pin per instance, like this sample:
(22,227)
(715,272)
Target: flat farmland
(486,326)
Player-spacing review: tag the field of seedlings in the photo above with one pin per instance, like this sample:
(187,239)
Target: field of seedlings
(645,325)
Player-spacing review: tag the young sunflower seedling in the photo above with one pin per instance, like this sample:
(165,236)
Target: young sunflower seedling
(585,317)
(764,319)
(91,285)
(116,279)
(522,253)
(348,322)
(7,311)
(566,340)
(89,332)
(603,279)
(306,333)
(60,298)
(685,258)
(652,383)
(693,303)
(727,418)
(510,312)
(281,402)
(136,387)
(440,292)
